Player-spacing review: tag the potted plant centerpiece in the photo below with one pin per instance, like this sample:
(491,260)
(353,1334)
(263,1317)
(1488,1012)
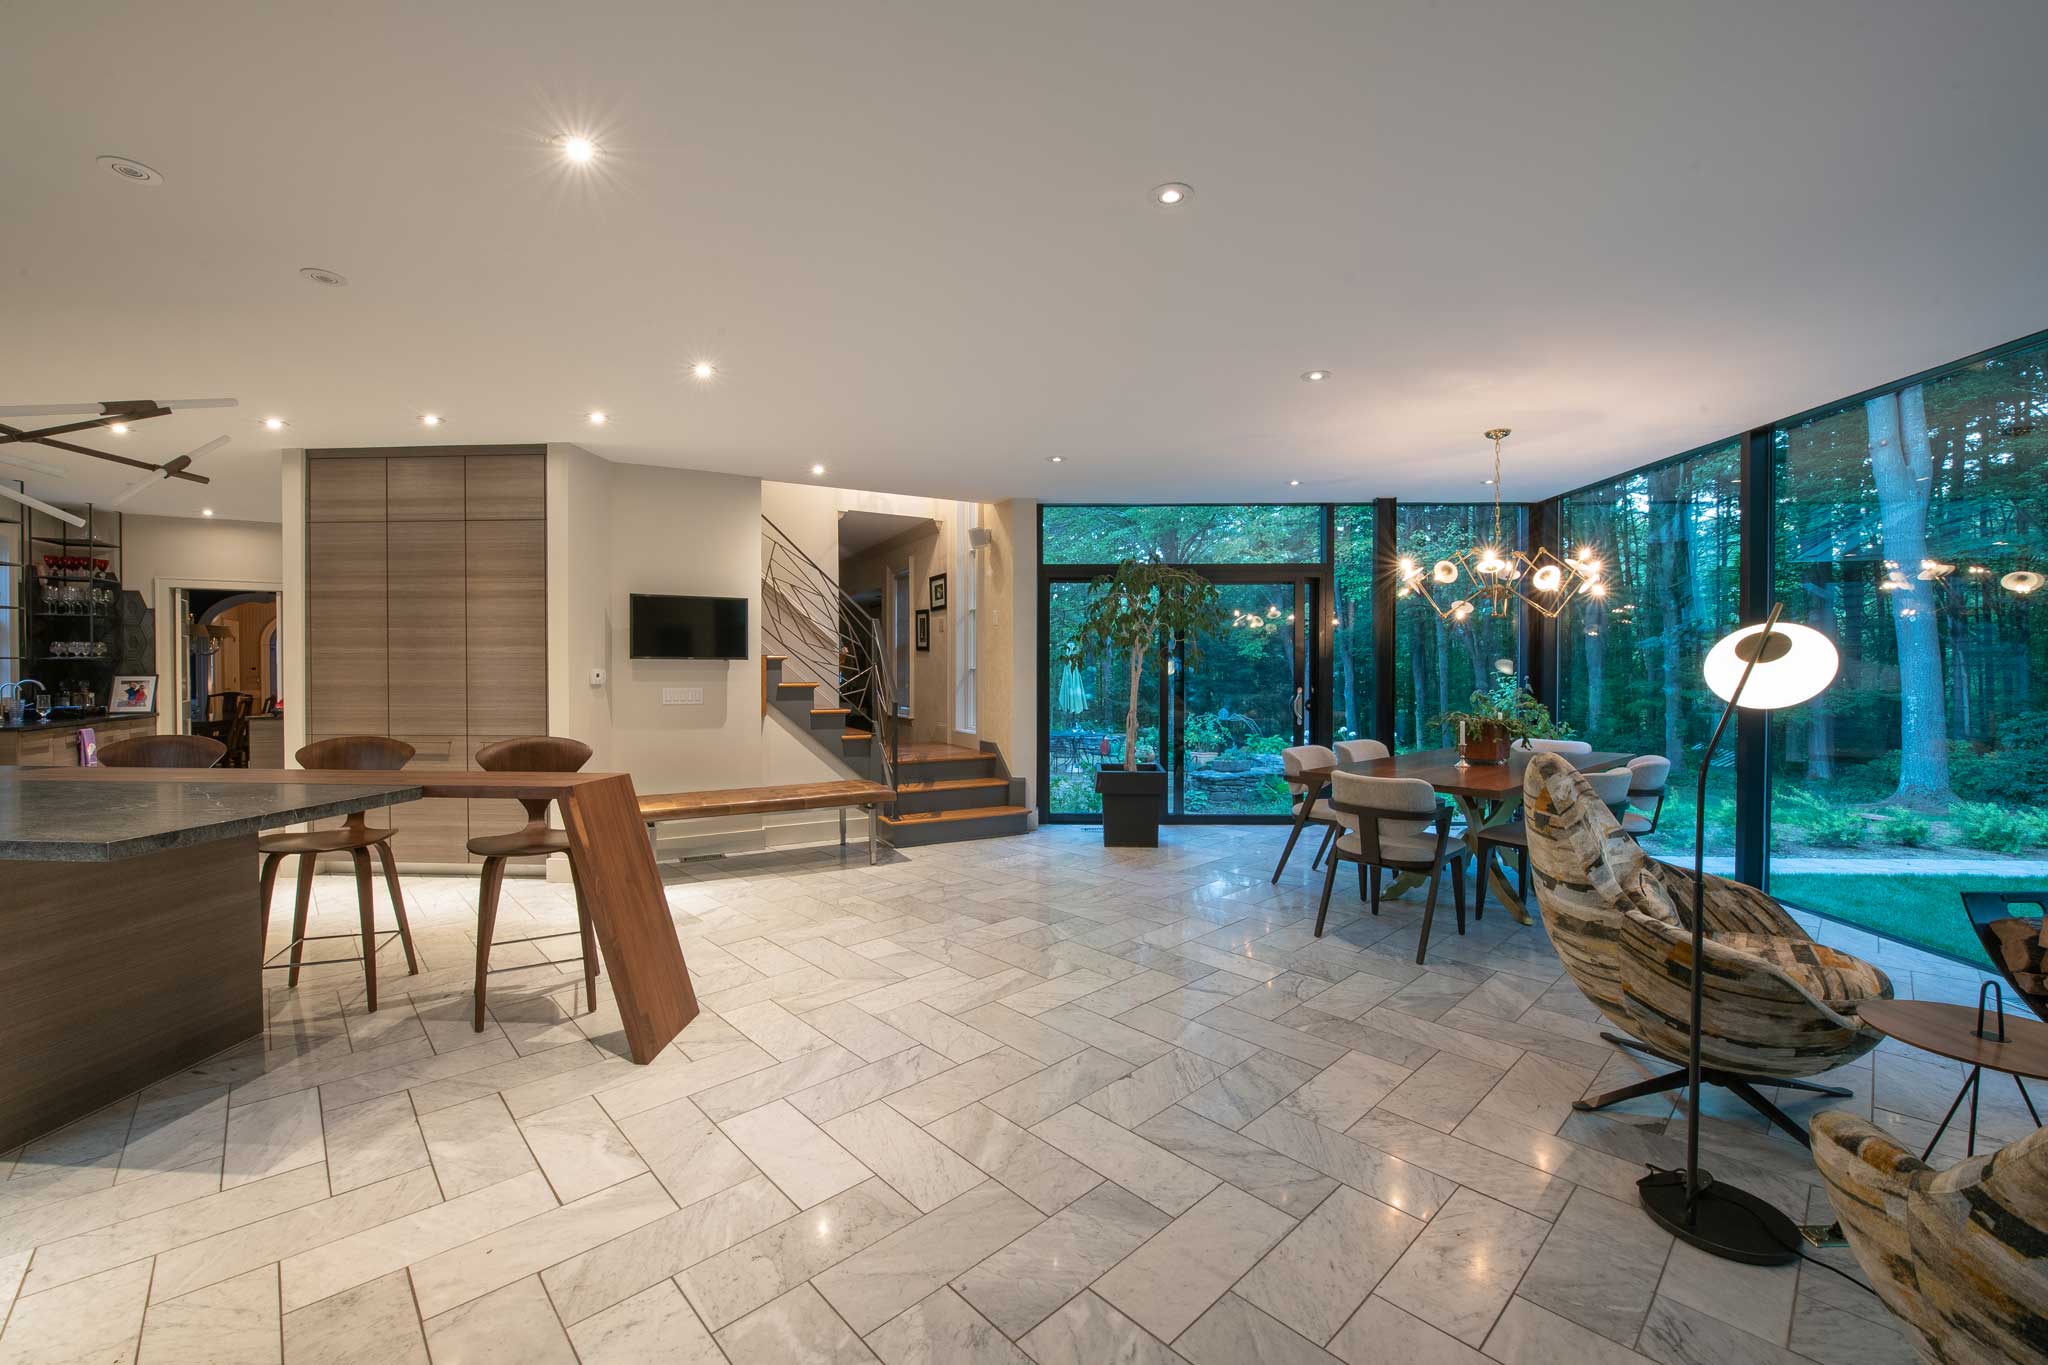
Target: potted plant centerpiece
(1506,713)
(1125,612)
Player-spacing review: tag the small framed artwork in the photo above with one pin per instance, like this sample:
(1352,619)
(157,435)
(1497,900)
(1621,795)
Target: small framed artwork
(938,592)
(134,694)
(924,632)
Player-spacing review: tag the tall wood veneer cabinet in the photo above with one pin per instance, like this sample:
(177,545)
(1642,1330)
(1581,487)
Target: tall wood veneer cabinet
(426,615)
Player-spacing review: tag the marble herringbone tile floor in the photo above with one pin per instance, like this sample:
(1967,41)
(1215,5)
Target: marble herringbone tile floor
(1021,1100)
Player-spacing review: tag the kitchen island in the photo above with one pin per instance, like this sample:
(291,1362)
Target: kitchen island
(131,941)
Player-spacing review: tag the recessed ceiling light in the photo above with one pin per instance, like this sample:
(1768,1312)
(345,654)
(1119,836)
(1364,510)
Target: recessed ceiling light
(273,424)
(206,511)
(1315,376)
(1055,459)
(1294,483)
(580,150)
(817,470)
(430,419)
(597,419)
(1489,482)
(703,369)
(1172,194)
(320,274)
(134,172)
(119,428)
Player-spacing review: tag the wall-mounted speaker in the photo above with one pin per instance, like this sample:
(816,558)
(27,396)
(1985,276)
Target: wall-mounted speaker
(980,537)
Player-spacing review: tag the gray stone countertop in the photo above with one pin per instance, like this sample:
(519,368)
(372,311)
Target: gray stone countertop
(104,821)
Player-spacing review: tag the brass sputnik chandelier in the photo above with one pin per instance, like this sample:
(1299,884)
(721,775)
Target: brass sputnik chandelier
(1499,578)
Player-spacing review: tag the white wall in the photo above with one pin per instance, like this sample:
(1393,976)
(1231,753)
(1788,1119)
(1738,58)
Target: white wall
(618,529)
(159,553)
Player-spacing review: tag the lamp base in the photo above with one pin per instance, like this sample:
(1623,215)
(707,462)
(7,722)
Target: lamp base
(1726,1221)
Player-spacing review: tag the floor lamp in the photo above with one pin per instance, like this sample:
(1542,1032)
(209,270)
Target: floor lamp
(1759,668)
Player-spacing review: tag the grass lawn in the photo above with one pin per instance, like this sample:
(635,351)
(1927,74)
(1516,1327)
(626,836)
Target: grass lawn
(1925,911)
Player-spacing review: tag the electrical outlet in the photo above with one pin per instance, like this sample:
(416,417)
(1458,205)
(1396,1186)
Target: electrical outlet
(682,696)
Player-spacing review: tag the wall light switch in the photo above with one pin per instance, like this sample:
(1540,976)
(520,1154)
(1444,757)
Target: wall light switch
(682,696)
(597,677)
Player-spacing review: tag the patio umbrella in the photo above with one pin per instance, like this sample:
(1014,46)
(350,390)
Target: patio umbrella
(1073,692)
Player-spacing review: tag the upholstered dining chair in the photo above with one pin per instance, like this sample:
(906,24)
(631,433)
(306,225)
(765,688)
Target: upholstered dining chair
(1360,750)
(1961,1255)
(2016,944)
(1293,762)
(1396,824)
(1650,775)
(532,754)
(356,837)
(162,751)
(1589,877)
(1611,786)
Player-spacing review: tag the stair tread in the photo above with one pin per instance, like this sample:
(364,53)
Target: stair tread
(959,756)
(785,682)
(775,658)
(854,734)
(953,784)
(945,816)
(831,711)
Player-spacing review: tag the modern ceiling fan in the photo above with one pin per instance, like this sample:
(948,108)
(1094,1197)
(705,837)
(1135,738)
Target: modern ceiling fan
(97,416)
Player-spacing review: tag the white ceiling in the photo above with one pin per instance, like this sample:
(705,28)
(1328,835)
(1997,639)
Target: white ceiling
(915,236)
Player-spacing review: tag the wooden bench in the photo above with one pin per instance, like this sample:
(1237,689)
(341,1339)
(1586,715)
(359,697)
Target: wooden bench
(662,807)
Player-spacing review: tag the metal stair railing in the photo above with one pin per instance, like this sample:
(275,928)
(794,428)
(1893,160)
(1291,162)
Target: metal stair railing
(813,623)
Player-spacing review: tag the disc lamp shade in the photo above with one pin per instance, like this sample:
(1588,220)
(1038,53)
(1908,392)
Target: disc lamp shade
(1792,665)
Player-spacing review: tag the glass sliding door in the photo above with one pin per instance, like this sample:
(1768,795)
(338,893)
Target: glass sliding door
(1238,697)
(1088,704)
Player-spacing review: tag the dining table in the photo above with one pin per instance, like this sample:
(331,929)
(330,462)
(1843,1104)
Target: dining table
(1487,795)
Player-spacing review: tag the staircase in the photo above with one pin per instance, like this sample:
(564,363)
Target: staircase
(944,793)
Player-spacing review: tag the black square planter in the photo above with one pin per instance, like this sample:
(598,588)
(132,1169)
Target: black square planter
(1133,803)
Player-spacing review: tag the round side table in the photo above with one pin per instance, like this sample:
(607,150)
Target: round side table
(1951,1031)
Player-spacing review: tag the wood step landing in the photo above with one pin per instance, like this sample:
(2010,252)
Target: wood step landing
(912,829)
(952,784)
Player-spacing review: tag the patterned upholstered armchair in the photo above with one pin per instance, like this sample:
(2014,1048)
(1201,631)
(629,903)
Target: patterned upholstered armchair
(1961,1255)
(1591,877)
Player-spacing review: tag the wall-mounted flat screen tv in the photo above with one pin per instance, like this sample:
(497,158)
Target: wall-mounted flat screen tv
(688,627)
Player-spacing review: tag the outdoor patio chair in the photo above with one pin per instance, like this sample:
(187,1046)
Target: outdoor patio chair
(1589,876)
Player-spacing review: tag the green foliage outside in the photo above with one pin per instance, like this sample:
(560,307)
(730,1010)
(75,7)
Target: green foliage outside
(1926,911)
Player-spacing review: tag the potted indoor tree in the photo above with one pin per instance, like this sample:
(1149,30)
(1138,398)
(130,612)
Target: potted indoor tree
(1125,612)
(1504,714)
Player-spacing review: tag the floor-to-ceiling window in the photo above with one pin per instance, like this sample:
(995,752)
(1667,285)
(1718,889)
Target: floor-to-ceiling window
(1667,539)
(1441,660)
(1215,712)
(1352,684)
(1912,529)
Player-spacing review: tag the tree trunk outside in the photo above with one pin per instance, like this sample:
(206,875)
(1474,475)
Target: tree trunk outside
(1593,645)
(1820,726)
(1667,543)
(1902,467)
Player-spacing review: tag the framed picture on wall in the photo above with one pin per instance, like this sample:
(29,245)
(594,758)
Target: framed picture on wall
(938,592)
(924,632)
(133,694)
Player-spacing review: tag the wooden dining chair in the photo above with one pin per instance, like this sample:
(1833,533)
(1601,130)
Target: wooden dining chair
(1649,775)
(356,837)
(1293,762)
(532,754)
(1395,824)
(1611,786)
(162,751)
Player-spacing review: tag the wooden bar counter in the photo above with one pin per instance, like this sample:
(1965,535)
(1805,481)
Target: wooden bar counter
(129,918)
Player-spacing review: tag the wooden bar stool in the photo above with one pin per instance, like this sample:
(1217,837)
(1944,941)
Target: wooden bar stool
(364,753)
(162,751)
(532,754)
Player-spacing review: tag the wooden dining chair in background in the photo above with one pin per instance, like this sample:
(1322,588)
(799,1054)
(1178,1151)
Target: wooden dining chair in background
(356,837)
(162,751)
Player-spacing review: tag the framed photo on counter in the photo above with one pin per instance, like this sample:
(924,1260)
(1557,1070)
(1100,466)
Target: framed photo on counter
(133,694)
